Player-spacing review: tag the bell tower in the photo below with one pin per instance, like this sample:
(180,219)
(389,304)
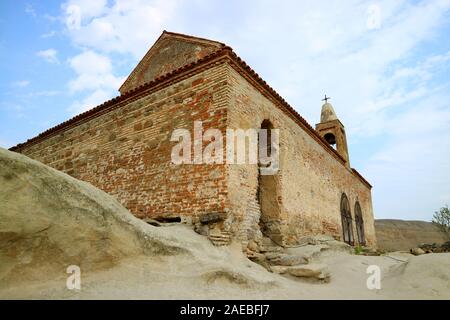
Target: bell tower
(332,130)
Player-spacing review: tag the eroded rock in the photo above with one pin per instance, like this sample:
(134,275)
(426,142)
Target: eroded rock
(417,251)
(316,271)
(290,260)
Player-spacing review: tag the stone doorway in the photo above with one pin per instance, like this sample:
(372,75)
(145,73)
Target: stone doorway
(267,194)
(347,224)
(359,224)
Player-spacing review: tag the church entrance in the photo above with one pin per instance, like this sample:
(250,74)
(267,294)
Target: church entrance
(359,224)
(347,224)
(267,194)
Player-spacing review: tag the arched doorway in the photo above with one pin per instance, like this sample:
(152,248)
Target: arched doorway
(267,192)
(359,224)
(346,217)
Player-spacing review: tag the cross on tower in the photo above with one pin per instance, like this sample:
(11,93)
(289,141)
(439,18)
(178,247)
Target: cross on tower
(326,99)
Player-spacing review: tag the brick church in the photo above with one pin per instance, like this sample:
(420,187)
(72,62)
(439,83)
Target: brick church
(123,147)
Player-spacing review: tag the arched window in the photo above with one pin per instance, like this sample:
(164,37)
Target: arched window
(267,125)
(330,138)
(359,224)
(346,217)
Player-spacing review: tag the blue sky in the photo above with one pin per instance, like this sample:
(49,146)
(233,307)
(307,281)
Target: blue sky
(386,65)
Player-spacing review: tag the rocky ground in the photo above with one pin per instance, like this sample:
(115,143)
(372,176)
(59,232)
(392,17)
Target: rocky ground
(49,221)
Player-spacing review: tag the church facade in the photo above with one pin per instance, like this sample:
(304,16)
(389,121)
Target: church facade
(124,147)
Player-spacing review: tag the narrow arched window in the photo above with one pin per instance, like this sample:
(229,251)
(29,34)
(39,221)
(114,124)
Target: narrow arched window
(359,224)
(331,139)
(346,217)
(267,125)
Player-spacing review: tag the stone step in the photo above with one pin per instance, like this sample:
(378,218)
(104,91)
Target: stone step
(265,249)
(311,271)
(271,255)
(219,236)
(220,243)
(220,239)
(279,269)
(315,271)
(289,260)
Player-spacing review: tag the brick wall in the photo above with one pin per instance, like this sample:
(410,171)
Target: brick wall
(126,152)
(310,181)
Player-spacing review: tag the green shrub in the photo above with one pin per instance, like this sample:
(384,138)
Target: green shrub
(442,219)
(358,249)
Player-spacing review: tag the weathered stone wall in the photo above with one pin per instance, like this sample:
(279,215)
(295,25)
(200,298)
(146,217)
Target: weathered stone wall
(127,151)
(309,184)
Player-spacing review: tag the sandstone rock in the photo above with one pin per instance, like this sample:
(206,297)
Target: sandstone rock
(272,255)
(270,249)
(201,229)
(317,239)
(316,271)
(446,246)
(49,220)
(152,222)
(417,251)
(370,252)
(339,246)
(279,269)
(252,245)
(258,258)
(255,255)
(308,252)
(428,247)
(267,242)
(290,260)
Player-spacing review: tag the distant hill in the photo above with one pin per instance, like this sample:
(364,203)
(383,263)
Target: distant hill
(393,235)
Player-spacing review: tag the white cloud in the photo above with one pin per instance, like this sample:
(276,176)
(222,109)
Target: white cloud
(94,77)
(44,93)
(89,81)
(30,10)
(85,9)
(90,62)
(94,71)
(50,55)
(124,26)
(21,83)
(90,101)
(48,34)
